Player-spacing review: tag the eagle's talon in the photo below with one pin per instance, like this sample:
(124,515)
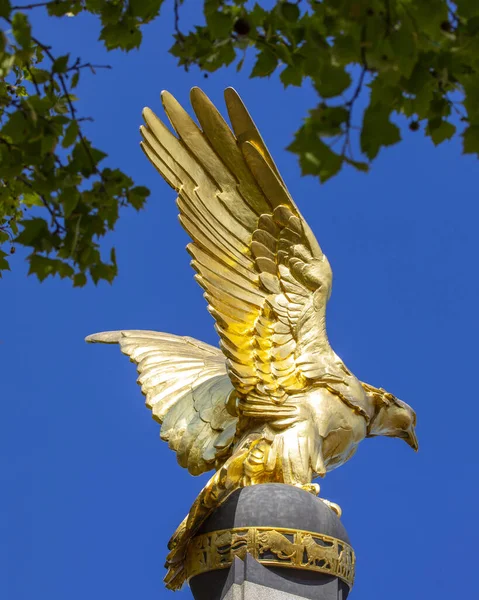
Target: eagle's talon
(333,506)
(313,488)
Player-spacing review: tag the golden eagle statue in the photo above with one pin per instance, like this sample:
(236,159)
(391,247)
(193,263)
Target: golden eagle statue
(273,403)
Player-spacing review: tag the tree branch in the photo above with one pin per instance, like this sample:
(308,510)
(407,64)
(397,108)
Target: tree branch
(179,34)
(176,10)
(54,216)
(35,5)
(70,105)
(72,109)
(77,66)
(357,92)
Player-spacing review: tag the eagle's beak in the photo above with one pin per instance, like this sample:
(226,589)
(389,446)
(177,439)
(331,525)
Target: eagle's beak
(411,440)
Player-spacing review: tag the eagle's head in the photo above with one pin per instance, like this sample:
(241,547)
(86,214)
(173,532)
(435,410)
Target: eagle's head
(393,418)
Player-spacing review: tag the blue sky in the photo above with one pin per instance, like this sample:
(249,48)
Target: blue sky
(90,495)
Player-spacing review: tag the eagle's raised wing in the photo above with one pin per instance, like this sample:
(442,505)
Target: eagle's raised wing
(187,389)
(265,277)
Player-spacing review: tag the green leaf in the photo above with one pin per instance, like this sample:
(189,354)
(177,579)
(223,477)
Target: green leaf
(377,130)
(39,75)
(346,48)
(439,130)
(471,100)
(419,78)
(137,196)
(257,16)
(31,199)
(331,81)
(315,157)
(86,158)
(71,134)
(324,163)
(17,127)
(266,63)
(47,144)
(359,165)
(467,8)
(219,23)
(64,270)
(471,140)
(5,8)
(43,267)
(79,280)
(439,106)
(34,230)
(124,35)
(104,271)
(59,8)
(421,103)
(328,120)
(69,199)
(404,46)
(290,11)
(110,11)
(61,64)
(224,54)
(4,266)
(75,79)
(21,29)
(429,15)
(291,76)
(145,9)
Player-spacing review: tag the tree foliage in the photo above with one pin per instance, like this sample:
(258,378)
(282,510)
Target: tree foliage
(411,59)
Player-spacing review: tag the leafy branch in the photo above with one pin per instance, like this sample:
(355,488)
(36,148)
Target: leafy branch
(39,126)
(376,68)
(59,72)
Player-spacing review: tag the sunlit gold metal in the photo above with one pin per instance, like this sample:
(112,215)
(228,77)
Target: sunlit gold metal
(278,547)
(274,403)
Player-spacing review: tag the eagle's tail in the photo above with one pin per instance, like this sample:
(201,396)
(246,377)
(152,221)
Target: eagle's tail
(247,466)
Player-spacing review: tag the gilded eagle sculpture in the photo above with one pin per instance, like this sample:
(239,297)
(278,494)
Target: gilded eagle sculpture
(273,403)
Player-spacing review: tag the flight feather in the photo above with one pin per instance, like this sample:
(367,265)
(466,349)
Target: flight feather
(265,277)
(187,389)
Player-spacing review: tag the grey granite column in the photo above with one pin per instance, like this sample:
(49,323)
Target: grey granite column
(250,580)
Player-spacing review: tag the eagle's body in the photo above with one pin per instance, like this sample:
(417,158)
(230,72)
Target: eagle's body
(274,403)
(324,436)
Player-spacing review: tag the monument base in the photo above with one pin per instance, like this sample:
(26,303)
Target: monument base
(271,542)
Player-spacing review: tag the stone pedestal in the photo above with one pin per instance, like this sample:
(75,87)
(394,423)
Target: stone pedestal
(272,542)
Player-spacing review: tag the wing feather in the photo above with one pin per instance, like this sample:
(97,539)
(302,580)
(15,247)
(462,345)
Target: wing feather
(244,127)
(186,387)
(223,141)
(251,248)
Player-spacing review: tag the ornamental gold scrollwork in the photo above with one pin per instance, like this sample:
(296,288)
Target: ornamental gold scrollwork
(280,547)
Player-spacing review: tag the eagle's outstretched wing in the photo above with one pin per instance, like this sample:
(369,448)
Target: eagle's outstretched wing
(187,389)
(265,277)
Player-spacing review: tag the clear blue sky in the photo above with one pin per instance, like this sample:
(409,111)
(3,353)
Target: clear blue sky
(90,495)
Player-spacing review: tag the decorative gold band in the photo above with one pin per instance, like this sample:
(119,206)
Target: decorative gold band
(278,547)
